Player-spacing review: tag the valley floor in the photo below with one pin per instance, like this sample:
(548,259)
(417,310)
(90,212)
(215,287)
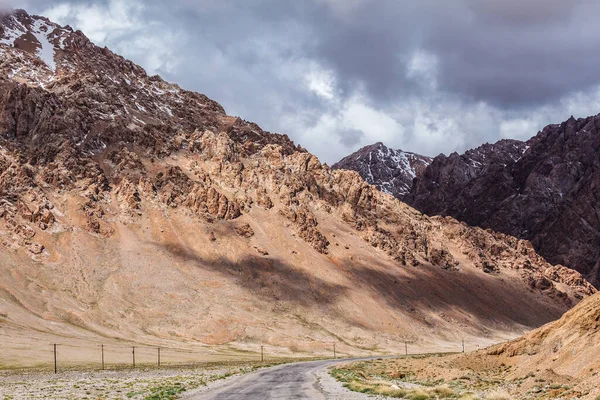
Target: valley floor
(474,376)
(242,380)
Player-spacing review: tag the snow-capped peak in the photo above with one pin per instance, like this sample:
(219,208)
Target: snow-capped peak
(391,170)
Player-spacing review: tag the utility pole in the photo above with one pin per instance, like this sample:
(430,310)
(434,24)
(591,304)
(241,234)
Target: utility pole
(102,349)
(405,348)
(133,356)
(158,356)
(334,355)
(262,353)
(55,365)
(463,346)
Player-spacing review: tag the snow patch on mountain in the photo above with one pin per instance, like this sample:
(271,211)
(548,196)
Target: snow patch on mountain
(46,52)
(13,29)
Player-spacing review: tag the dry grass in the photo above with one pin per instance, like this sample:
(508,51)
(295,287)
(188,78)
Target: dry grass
(469,396)
(357,377)
(444,392)
(498,395)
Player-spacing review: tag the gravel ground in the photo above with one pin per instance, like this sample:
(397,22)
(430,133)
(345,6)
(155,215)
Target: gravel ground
(118,384)
(142,383)
(333,390)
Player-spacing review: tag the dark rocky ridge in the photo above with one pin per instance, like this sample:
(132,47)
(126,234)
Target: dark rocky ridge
(546,190)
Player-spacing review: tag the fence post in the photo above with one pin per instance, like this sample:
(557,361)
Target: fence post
(102,349)
(158,356)
(55,365)
(133,356)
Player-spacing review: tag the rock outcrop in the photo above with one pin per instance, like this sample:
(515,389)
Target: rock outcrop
(544,190)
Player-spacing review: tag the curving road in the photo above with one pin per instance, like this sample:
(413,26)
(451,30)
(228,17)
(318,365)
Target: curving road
(290,382)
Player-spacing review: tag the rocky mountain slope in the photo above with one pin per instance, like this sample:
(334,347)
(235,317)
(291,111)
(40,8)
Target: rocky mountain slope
(133,209)
(544,190)
(568,349)
(392,171)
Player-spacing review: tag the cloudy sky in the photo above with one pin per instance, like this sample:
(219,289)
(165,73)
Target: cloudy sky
(427,76)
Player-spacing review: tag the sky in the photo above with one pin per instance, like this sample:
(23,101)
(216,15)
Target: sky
(427,76)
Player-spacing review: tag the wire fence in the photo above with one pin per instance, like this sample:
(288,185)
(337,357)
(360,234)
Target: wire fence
(57,357)
(61,357)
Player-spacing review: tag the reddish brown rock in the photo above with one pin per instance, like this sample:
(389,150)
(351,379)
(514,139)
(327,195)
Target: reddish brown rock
(306,224)
(244,230)
(263,199)
(262,251)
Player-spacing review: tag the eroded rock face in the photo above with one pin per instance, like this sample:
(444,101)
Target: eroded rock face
(244,230)
(544,190)
(392,171)
(307,224)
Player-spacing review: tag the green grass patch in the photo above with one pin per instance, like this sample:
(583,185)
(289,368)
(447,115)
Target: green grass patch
(166,392)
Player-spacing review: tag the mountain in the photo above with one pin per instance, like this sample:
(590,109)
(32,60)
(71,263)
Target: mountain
(134,210)
(544,190)
(392,171)
(568,349)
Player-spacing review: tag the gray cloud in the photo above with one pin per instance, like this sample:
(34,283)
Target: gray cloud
(6,5)
(351,137)
(522,13)
(428,76)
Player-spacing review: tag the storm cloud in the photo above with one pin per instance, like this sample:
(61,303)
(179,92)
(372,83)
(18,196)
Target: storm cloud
(426,76)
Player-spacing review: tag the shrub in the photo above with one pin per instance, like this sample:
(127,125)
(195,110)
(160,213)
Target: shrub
(444,392)
(418,395)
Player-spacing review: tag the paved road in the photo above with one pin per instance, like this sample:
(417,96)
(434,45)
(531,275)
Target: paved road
(290,382)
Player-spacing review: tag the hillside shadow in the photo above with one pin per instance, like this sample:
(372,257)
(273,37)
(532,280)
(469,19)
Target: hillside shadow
(489,301)
(269,278)
(420,293)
